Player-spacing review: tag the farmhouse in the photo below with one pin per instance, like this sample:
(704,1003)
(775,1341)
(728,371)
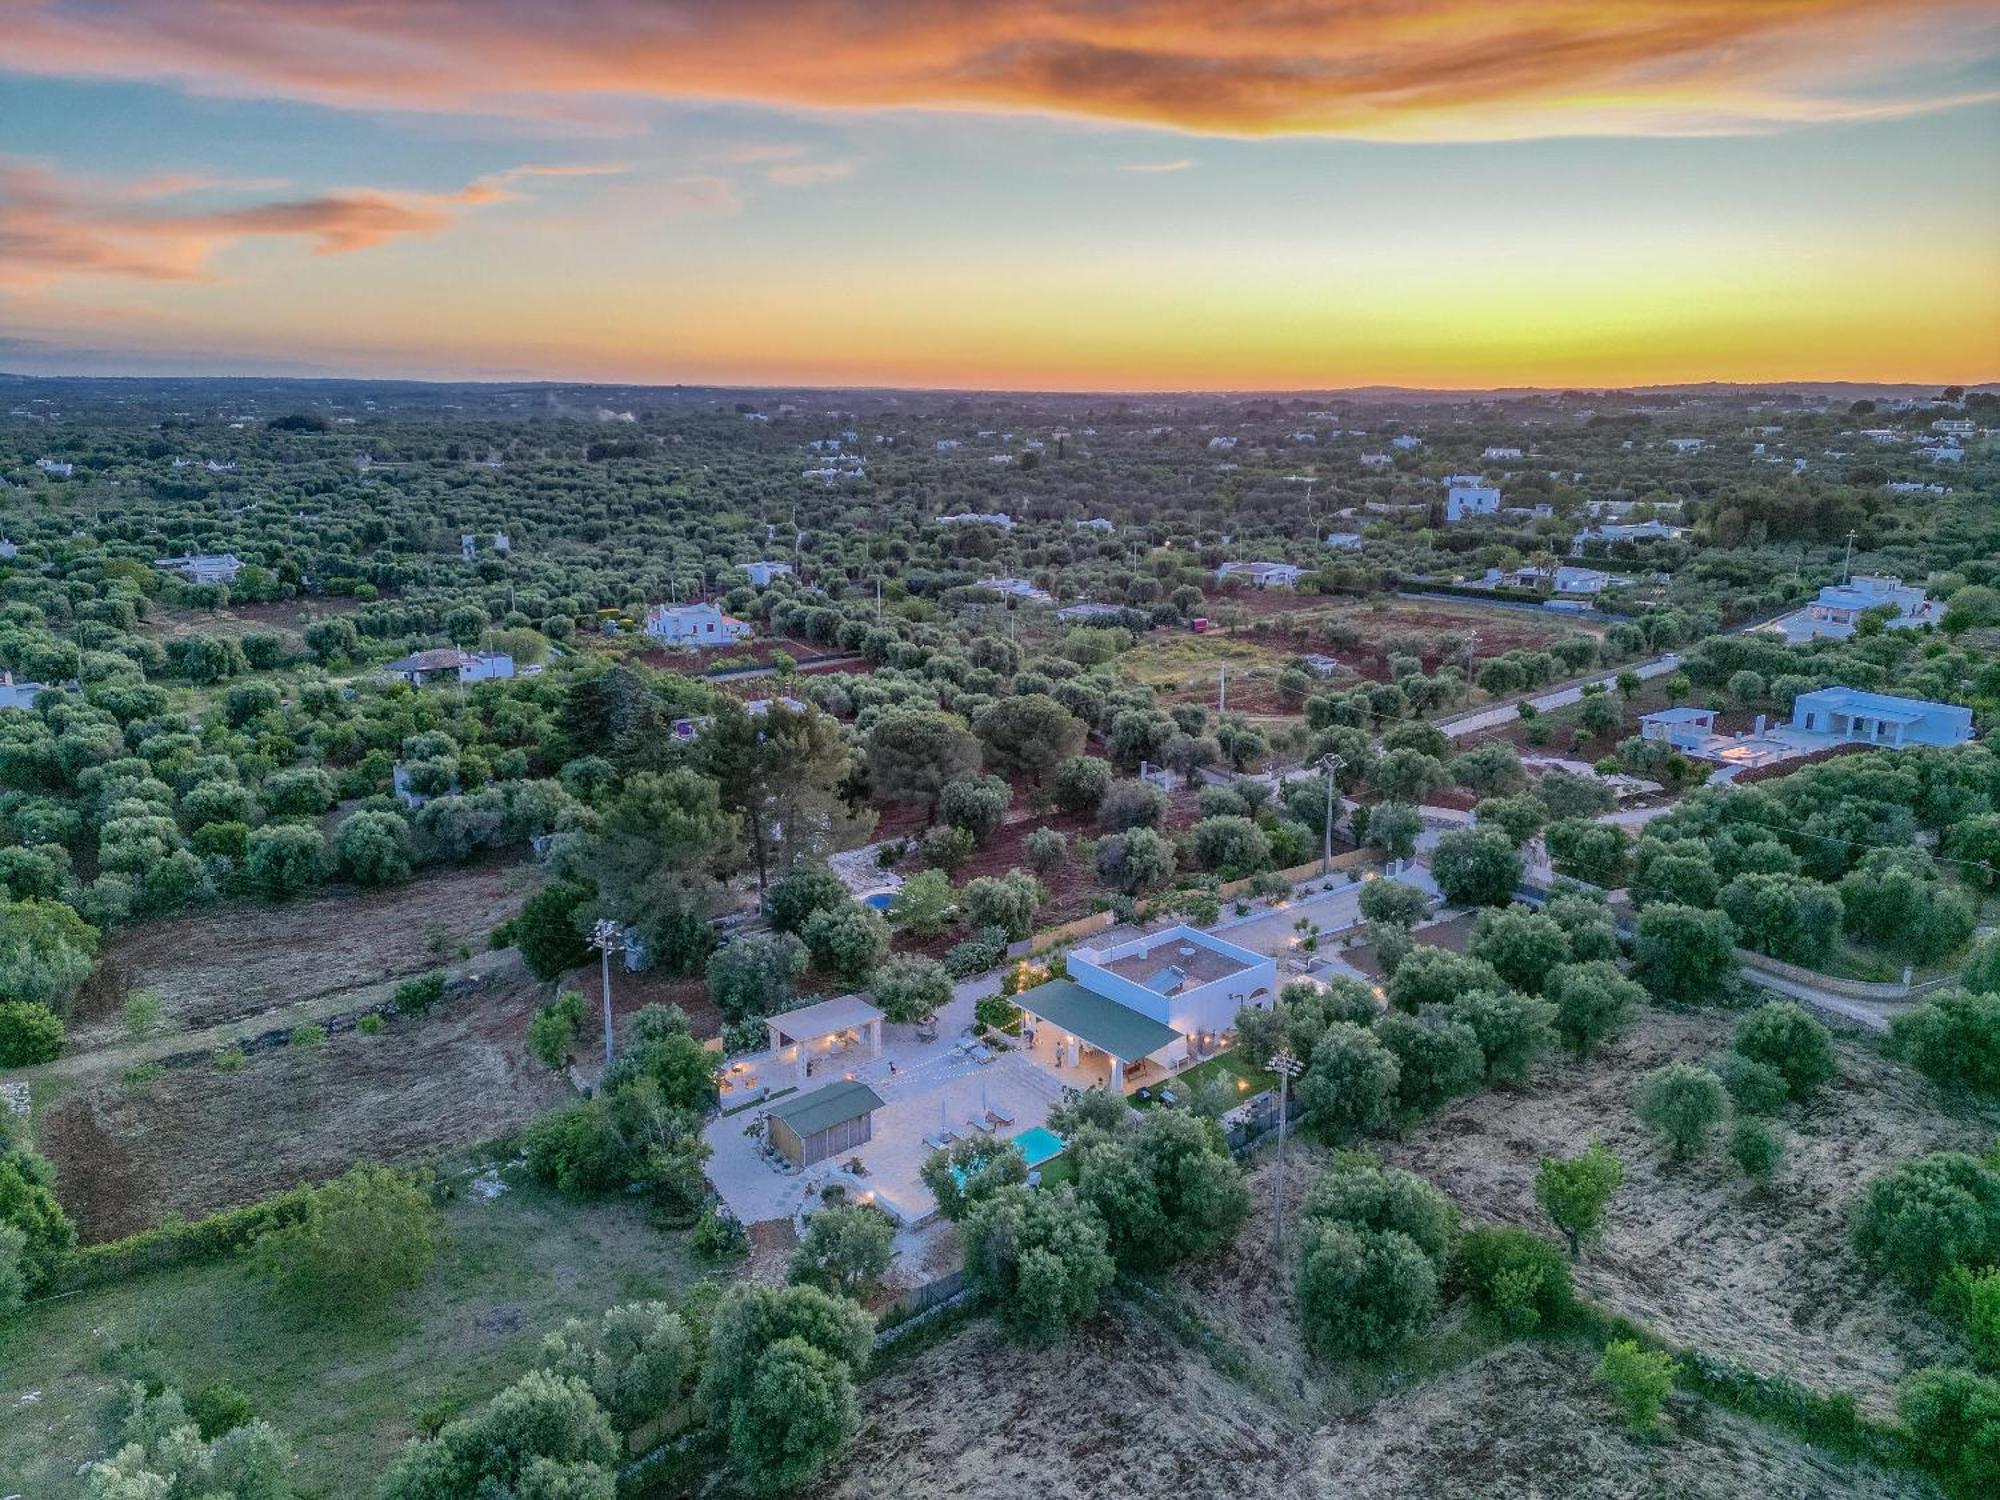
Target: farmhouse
(1880,719)
(1683,728)
(1016,588)
(763,571)
(1635,531)
(1135,1010)
(203,567)
(1491,453)
(1086,609)
(1261,575)
(811,1127)
(1468,497)
(1347,541)
(18,694)
(979,518)
(696,625)
(421,667)
(1566,580)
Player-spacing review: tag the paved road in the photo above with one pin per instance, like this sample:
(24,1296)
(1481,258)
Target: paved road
(1499,714)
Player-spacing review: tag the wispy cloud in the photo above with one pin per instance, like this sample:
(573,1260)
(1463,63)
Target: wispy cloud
(1393,69)
(54,226)
(1179,164)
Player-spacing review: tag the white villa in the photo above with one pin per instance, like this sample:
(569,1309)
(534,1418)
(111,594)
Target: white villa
(203,567)
(1632,531)
(1880,719)
(1501,453)
(1833,615)
(979,518)
(1261,575)
(1345,540)
(1131,1013)
(1090,609)
(1567,580)
(695,625)
(763,571)
(1468,497)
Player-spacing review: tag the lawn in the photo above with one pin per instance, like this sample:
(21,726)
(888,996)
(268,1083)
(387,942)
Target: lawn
(1232,1067)
(516,1267)
(1178,660)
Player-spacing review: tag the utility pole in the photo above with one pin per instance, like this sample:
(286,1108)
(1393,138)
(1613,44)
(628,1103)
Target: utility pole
(1222,690)
(1847,567)
(1332,763)
(1286,1065)
(607,938)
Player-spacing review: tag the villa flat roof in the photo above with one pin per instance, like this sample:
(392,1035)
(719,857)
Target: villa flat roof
(1193,963)
(842,1013)
(1679,716)
(809,1114)
(1104,1024)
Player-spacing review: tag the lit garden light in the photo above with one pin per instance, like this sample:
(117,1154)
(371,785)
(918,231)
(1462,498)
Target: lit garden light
(607,937)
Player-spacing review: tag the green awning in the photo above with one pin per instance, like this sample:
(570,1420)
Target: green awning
(1105,1024)
(809,1114)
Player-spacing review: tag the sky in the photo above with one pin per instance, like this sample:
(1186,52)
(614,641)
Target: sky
(1025,194)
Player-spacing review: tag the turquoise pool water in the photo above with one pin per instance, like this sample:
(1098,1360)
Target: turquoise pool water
(1039,1145)
(879,900)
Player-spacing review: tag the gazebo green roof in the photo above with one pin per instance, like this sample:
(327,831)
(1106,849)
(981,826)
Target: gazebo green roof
(1126,1034)
(809,1114)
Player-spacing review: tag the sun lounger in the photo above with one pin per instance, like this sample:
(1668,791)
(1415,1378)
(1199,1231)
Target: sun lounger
(984,1127)
(1167,1097)
(937,1141)
(999,1117)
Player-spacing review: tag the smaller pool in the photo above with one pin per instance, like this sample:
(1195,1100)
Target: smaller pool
(879,900)
(1039,1145)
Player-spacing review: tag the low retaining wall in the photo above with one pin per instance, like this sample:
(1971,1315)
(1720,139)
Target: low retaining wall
(1852,989)
(1088,926)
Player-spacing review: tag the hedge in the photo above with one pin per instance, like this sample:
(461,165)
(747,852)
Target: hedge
(182,1242)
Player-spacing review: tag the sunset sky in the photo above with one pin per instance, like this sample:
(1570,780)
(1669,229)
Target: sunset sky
(1051,194)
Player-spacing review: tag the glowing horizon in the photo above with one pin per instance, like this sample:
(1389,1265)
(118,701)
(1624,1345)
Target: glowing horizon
(1037,195)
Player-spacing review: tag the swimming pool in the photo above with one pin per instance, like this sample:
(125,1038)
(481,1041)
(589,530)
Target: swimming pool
(1039,1145)
(879,900)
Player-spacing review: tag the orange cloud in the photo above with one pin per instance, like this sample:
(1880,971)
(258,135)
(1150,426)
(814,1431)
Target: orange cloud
(1392,69)
(52,227)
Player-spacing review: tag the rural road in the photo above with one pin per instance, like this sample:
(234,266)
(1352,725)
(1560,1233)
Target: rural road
(1499,714)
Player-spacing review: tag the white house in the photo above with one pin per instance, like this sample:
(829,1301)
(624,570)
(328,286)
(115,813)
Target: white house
(1086,609)
(947,445)
(697,625)
(1346,540)
(1377,460)
(1465,498)
(1963,427)
(1943,453)
(979,518)
(502,542)
(8,551)
(1221,444)
(763,571)
(1016,588)
(1501,453)
(1839,607)
(1135,1011)
(468,545)
(467,666)
(1633,531)
(19,694)
(203,567)
(56,467)
(1683,728)
(1880,719)
(1566,580)
(1261,575)
(1406,442)
(1687,445)
(1098,523)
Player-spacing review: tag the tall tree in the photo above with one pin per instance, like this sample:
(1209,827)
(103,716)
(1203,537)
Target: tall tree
(780,773)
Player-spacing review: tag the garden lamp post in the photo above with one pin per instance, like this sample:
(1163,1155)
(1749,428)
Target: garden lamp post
(607,937)
(1286,1065)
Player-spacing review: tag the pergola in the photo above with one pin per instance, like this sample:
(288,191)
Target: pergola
(818,1029)
(1080,1018)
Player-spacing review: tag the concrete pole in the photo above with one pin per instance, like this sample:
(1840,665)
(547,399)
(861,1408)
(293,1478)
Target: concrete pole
(605,955)
(1284,1062)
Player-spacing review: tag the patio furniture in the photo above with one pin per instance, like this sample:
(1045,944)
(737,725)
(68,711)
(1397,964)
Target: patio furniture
(1143,1094)
(984,1127)
(1167,1097)
(935,1141)
(999,1117)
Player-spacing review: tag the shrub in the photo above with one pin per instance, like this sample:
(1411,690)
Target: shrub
(1512,1029)
(365,1237)
(1953,1039)
(976,954)
(1360,1193)
(1350,1084)
(1438,1059)
(977,804)
(284,859)
(910,987)
(1953,1418)
(1593,1001)
(1436,976)
(29,1033)
(415,996)
(1972,1298)
(1916,1221)
(1167,1191)
(1232,847)
(946,848)
(1394,903)
(574,1149)
(1684,955)
(849,942)
(846,1249)
(1756,1088)
(1523,947)
(1575,1192)
(553,1031)
(1046,849)
(719,1237)
(1008,902)
(1520,1276)
(1754,1146)
(1137,861)
(1476,867)
(968,1172)
(373,848)
(809,889)
(1640,1380)
(1132,804)
(637,1359)
(1042,1257)
(1782,1036)
(1081,783)
(545,1431)
(752,975)
(1683,1103)
(1361,1293)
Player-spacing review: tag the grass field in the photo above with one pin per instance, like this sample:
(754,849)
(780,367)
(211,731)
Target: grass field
(516,1267)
